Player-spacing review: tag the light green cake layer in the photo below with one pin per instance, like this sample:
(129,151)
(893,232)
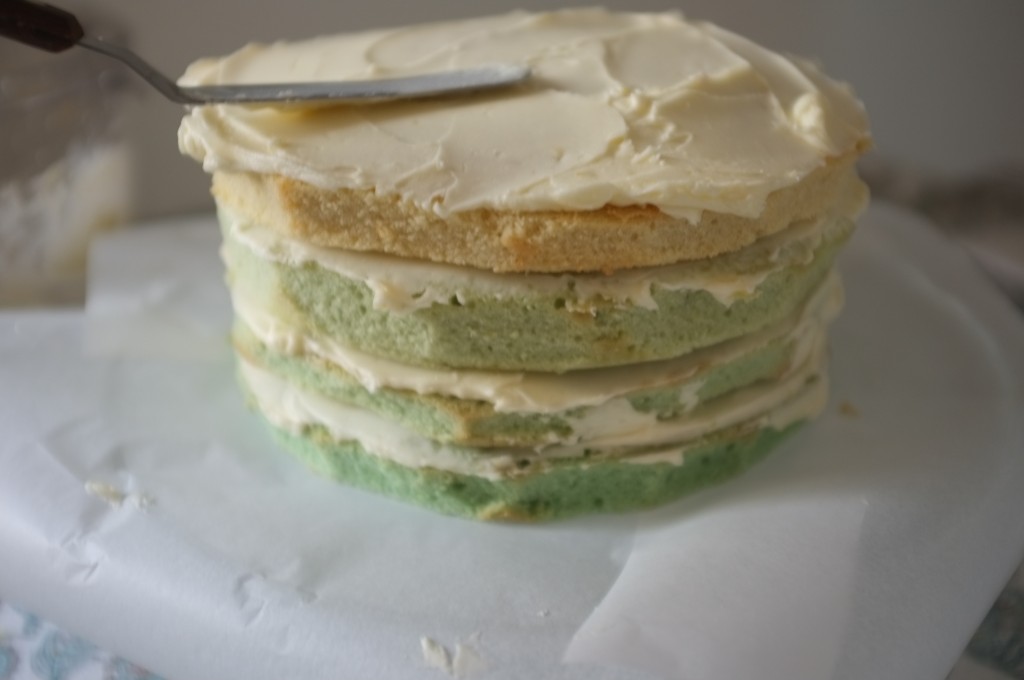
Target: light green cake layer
(536,331)
(477,423)
(564,488)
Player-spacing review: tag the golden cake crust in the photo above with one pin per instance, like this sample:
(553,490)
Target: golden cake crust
(604,240)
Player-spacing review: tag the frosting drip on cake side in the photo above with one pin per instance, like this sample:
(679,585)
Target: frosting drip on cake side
(622,109)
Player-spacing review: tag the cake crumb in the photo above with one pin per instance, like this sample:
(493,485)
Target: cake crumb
(464,663)
(117,498)
(848,409)
(107,492)
(435,654)
(467,660)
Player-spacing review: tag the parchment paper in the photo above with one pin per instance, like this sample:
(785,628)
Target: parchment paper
(142,505)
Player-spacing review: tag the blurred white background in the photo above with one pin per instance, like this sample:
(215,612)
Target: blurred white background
(943,80)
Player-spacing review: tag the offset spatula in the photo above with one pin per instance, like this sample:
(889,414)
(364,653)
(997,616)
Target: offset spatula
(55,30)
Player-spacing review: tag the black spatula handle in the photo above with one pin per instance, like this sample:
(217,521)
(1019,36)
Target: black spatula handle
(39,25)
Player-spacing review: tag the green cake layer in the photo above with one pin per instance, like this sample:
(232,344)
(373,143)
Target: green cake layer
(539,330)
(464,456)
(563,488)
(477,423)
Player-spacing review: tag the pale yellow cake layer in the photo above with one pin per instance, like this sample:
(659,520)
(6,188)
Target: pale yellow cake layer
(604,240)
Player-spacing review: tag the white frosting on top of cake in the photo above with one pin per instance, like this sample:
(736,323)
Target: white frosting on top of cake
(621,109)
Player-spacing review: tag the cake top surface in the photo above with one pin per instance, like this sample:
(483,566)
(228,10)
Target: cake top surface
(621,109)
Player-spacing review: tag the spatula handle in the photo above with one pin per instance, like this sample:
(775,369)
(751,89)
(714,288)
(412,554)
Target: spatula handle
(39,25)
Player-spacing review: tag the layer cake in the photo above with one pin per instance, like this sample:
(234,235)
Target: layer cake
(596,291)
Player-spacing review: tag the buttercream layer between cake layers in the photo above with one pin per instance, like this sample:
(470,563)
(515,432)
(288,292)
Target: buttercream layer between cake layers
(488,408)
(609,472)
(427,314)
(568,487)
(641,139)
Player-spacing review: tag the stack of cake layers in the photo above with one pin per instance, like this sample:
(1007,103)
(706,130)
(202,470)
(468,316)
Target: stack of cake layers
(594,292)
